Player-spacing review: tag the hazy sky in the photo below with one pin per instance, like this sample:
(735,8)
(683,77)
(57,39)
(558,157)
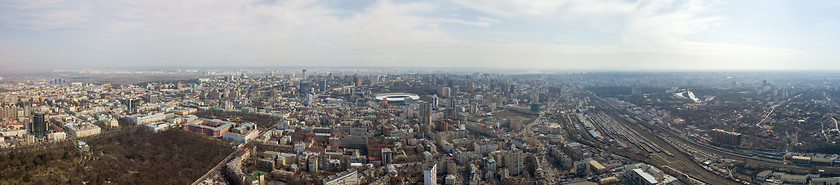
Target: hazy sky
(548,34)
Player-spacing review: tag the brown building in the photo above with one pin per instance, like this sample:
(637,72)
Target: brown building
(723,137)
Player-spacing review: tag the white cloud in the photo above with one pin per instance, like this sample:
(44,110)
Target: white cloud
(299,32)
(648,29)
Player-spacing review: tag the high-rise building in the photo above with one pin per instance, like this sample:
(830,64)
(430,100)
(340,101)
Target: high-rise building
(515,162)
(303,76)
(444,91)
(430,175)
(313,164)
(38,128)
(305,88)
(132,104)
(725,137)
(425,113)
(14,112)
(359,81)
(387,157)
(324,85)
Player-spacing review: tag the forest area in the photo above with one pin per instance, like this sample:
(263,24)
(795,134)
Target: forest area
(134,157)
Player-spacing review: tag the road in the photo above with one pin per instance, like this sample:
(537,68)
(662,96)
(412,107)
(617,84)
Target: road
(528,131)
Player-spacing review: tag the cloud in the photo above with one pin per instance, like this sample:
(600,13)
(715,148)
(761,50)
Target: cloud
(650,34)
(645,27)
(44,15)
(479,23)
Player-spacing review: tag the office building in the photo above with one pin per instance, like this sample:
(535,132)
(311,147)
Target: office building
(305,88)
(38,127)
(535,107)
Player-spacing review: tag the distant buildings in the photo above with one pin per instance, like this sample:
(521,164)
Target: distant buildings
(444,91)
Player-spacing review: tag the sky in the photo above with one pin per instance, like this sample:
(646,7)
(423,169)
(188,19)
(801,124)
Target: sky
(575,35)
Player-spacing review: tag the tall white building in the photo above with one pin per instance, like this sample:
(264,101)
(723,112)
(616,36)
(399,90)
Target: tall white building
(430,175)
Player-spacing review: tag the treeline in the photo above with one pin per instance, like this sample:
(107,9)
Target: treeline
(20,167)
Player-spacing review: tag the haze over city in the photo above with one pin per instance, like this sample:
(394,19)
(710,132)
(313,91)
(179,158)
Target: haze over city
(38,36)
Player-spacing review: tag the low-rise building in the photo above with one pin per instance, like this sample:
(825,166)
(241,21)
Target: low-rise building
(242,133)
(349,177)
(81,129)
(160,126)
(215,127)
(144,119)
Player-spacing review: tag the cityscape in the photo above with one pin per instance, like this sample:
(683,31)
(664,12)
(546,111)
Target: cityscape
(435,92)
(387,126)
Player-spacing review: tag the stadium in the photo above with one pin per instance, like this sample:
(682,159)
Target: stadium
(397,98)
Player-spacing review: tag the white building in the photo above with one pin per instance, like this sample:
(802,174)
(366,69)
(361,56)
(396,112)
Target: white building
(82,129)
(430,175)
(57,136)
(242,133)
(141,119)
(13,133)
(349,177)
(159,126)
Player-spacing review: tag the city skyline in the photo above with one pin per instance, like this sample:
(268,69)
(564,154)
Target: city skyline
(557,35)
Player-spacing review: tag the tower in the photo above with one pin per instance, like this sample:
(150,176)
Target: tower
(39,125)
(303,76)
(324,85)
(425,113)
